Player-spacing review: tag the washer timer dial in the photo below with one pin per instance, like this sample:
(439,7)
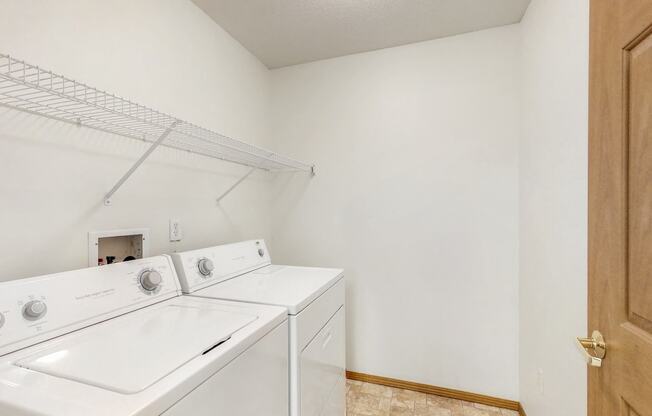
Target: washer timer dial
(34,309)
(2,320)
(150,280)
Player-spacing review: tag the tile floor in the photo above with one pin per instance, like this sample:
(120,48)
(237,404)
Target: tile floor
(364,399)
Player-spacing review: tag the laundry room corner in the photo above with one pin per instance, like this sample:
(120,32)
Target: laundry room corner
(415,196)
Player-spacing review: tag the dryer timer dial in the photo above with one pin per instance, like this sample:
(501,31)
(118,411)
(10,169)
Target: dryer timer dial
(205,266)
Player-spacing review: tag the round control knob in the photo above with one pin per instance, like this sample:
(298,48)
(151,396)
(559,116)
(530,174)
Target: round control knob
(150,280)
(34,309)
(261,252)
(205,266)
(2,320)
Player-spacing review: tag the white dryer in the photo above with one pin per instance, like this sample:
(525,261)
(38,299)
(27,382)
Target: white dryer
(118,340)
(314,298)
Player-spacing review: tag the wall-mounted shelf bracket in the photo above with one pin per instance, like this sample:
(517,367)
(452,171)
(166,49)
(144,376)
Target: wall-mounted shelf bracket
(249,172)
(132,169)
(238,182)
(245,176)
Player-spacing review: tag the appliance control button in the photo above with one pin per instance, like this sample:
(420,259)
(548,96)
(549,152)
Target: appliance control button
(2,320)
(34,309)
(261,252)
(150,280)
(205,266)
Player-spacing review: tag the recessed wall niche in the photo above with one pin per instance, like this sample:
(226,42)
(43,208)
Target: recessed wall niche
(116,246)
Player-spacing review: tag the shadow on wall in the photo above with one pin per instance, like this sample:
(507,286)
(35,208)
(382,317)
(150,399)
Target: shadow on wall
(288,191)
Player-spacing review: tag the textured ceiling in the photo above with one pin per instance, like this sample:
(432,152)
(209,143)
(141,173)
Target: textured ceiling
(288,32)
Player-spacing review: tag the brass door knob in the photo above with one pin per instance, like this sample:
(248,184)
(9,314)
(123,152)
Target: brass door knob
(594,349)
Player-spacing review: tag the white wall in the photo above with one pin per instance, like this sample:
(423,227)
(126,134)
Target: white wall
(166,54)
(416,197)
(553,205)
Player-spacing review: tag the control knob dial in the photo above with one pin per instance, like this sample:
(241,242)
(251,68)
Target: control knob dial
(150,280)
(34,309)
(205,266)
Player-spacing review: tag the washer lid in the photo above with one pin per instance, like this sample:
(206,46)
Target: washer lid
(288,286)
(130,353)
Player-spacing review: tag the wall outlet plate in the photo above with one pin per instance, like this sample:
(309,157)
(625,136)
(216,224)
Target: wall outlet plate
(176,233)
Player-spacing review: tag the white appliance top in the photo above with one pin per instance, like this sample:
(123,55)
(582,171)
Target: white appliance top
(242,272)
(40,308)
(132,352)
(116,340)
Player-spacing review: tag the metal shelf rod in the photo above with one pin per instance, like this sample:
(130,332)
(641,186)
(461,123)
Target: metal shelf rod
(238,182)
(132,169)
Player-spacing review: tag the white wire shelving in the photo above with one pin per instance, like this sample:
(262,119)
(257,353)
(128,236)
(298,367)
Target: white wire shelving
(38,91)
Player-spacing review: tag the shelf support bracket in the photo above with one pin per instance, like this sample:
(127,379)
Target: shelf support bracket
(132,169)
(245,176)
(238,182)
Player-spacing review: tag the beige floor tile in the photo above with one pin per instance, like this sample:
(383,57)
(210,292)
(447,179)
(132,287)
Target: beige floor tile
(385,403)
(407,399)
(401,411)
(365,399)
(444,402)
(410,395)
(354,385)
(370,412)
(398,403)
(377,390)
(426,410)
(472,411)
(485,407)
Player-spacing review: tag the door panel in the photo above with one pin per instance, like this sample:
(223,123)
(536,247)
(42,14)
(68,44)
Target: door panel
(638,80)
(620,205)
(629,411)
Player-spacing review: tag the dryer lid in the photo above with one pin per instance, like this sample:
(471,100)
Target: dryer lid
(130,353)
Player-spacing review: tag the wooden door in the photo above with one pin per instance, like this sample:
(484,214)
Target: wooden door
(620,205)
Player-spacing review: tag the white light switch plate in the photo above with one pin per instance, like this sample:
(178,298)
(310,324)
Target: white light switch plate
(175,230)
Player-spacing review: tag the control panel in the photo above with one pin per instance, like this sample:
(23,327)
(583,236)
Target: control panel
(201,268)
(39,308)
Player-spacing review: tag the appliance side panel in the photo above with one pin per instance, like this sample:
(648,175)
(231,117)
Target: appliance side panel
(323,369)
(255,383)
(315,316)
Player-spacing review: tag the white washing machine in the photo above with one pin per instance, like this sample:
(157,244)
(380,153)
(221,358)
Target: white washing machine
(314,298)
(119,340)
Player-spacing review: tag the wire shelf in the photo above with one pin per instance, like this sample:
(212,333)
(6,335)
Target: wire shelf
(35,90)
